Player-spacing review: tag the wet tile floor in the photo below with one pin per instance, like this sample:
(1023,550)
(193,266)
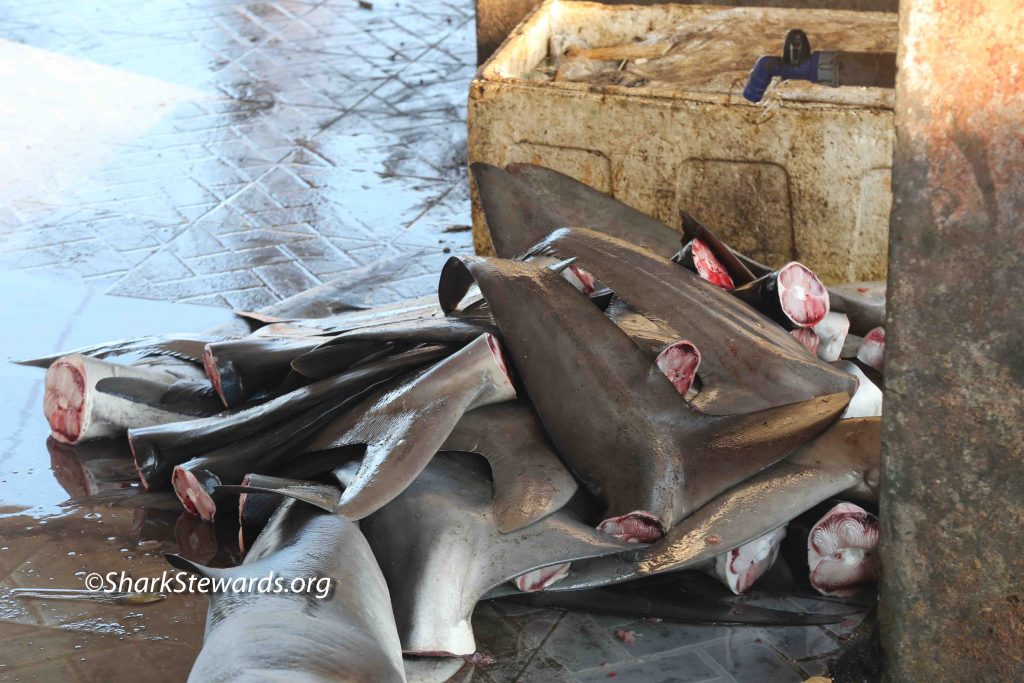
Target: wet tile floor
(205,155)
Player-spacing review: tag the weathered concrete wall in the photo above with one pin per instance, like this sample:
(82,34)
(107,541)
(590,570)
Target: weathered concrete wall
(495,19)
(952,597)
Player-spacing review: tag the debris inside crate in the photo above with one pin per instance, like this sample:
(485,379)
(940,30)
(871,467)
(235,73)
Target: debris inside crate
(562,424)
(713,51)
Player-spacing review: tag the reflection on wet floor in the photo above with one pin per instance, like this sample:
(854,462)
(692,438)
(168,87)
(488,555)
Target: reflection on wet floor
(66,511)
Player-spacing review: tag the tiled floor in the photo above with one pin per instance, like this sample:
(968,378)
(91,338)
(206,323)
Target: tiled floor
(231,154)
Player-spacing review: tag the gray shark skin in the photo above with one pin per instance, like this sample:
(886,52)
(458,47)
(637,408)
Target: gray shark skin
(647,334)
(748,362)
(516,215)
(580,204)
(410,309)
(194,398)
(441,550)
(530,482)
(158,450)
(403,427)
(349,635)
(845,458)
(186,347)
(600,396)
(340,351)
(862,302)
(560,201)
(446,330)
(327,360)
(243,368)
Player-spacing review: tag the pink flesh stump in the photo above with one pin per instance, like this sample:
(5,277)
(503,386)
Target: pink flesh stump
(213,374)
(709,267)
(841,551)
(872,349)
(742,566)
(627,637)
(580,279)
(802,295)
(636,527)
(192,494)
(539,579)
(679,362)
(807,337)
(64,401)
(241,509)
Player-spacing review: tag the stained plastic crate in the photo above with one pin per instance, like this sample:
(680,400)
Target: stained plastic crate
(805,174)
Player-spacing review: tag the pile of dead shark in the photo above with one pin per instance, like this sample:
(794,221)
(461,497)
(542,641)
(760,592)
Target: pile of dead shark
(643,404)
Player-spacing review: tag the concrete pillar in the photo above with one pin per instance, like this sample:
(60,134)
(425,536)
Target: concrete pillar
(952,508)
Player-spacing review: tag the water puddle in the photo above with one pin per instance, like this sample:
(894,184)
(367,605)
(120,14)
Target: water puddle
(66,512)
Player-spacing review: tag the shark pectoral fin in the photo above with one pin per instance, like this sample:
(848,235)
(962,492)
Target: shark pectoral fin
(783,427)
(454,284)
(530,481)
(331,358)
(719,396)
(737,447)
(184,564)
(183,346)
(259,317)
(190,350)
(322,496)
(150,345)
(133,389)
(557,539)
(185,397)
(529,489)
(395,457)
(405,428)
(745,512)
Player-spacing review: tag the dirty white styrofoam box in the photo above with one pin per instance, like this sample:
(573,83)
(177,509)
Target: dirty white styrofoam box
(804,175)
